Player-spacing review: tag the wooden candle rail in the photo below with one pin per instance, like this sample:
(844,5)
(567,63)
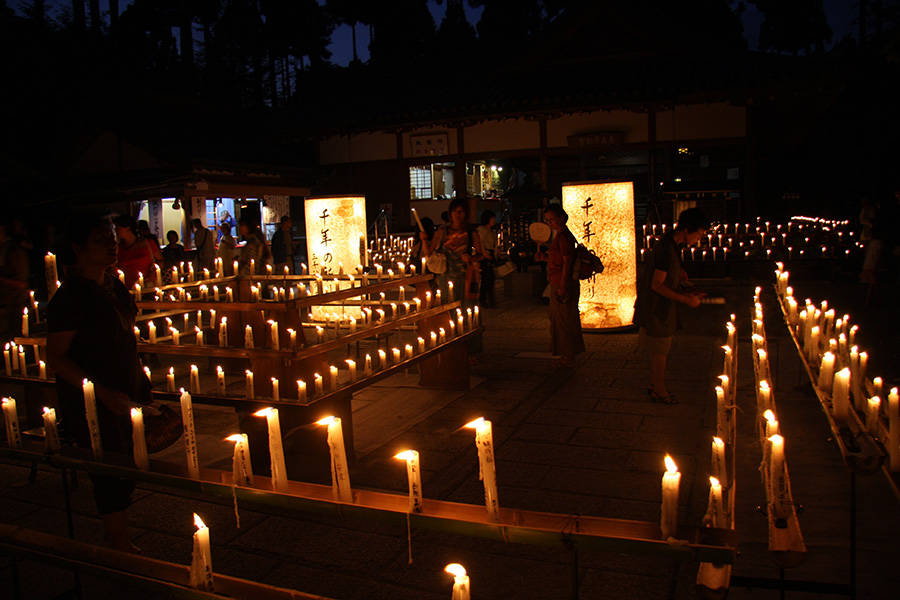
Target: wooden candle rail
(168,578)
(858,447)
(786,546)
(515,526)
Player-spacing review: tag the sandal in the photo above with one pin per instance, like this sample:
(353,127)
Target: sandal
(670,399)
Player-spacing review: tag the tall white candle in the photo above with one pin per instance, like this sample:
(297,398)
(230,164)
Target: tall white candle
(351,365)
(139,442)
(715,512)
(151,332)
(292,335)
(718,465)
(669,513)
(777,481)
(872,407)
(301,390)
(273,334)
(11,416)
(826,373)
(248,337)
(220,380)
(367,367)
(195,380)
(340,475)
(484,442)
(840,397)
(415,479)
(395,355)
(241,468)
(7,358)
(24,322)
(249,391)
(175,336)
(276,450)
(190,438)
(93,421)
(461,590)
(894,429)
(23,365)
(201,573)
(223,332)
(319,386)
(198,339)
(51,431)
(382,360)
(170,380)
(276,390)
(332,377)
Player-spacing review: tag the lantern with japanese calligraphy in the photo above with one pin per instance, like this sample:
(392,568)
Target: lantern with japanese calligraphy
(601,216)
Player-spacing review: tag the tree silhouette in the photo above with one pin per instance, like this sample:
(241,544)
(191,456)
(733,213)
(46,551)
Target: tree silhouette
(793,26)
(455,33)
(403,29)
(353,13)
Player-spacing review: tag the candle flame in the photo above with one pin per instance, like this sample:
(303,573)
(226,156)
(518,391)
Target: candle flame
(723,378)
(199,522)
(769,416)
(137,410)
(238,437)
(764,385)
(476,423)
(327,420)
(775,439)
(46,408)
(219,370)
(271,322)
(714,482)
(406,455)
(718,441)
(670,465)
(456,569)
(264,412)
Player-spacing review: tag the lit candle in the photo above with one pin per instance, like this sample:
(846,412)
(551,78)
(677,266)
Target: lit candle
(223,332)
(139,443)
(395,355)
(175,336)
(11,416)
(50,274)
(777,481)
(718,466)
(332,377)
(813,349)
(427,300)
(241,468)
(318,382)
(408,349)
(449,291)
(276,450)
(151,332)
(42,370)
(872,407)
(826,373)
(273,334)
(367,368)
(442,335)
(669,513)
(382,360)
(415,479)
(220,380)
(460,581)
(715,512)
(320,335)
(840,397)
(340,475)
(195,380)
(301,390)
(90,411)
(190,437)
(7,358)
(229,295)
(201,573)
(276,391)
(894,429)
(484,442)
(771,424)
(198,336)
(293,337)
(248,337)
(24,322)
(23,366)
(434,339)
(249,392)
(51,431)
(421,342)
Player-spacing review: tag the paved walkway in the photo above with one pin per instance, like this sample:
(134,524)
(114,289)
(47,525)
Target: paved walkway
(579,441)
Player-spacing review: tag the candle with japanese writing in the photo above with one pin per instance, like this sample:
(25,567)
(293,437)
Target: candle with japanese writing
(840,397)
(51,431)
(90,411)
(241,468)
(669,513)
(415,479)
(141,460)
(220,381)
(826,373)
(893,442)
(201,573)
(276,450)
(11,416)
(340,475)
(717,463)
(777,481)
(195,380)
(461,590)
(367,367)
(248,337)
(23,365)
(301,390)
(484,442)
(50,274)
(872,407)
(190,437)
(42,370)
(276,390)
(273,334)
(249,391)
(223,332)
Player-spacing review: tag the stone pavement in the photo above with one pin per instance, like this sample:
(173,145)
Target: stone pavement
(573,441)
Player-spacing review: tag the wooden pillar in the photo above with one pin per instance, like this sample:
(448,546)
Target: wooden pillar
(543,154)
(653,184)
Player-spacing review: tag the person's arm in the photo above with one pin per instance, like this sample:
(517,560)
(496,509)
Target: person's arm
(429,247)
(58,344)
(479,248)
(658,285)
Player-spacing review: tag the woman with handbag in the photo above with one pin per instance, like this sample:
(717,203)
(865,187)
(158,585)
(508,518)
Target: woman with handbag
(90,335)
(458,248)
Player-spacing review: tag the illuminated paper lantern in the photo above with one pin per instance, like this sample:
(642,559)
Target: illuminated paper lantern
(335,232)
(601,216)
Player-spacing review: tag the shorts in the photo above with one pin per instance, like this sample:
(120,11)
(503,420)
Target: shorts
(653,345)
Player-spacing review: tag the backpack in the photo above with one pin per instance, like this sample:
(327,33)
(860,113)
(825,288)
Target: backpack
(586,263)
